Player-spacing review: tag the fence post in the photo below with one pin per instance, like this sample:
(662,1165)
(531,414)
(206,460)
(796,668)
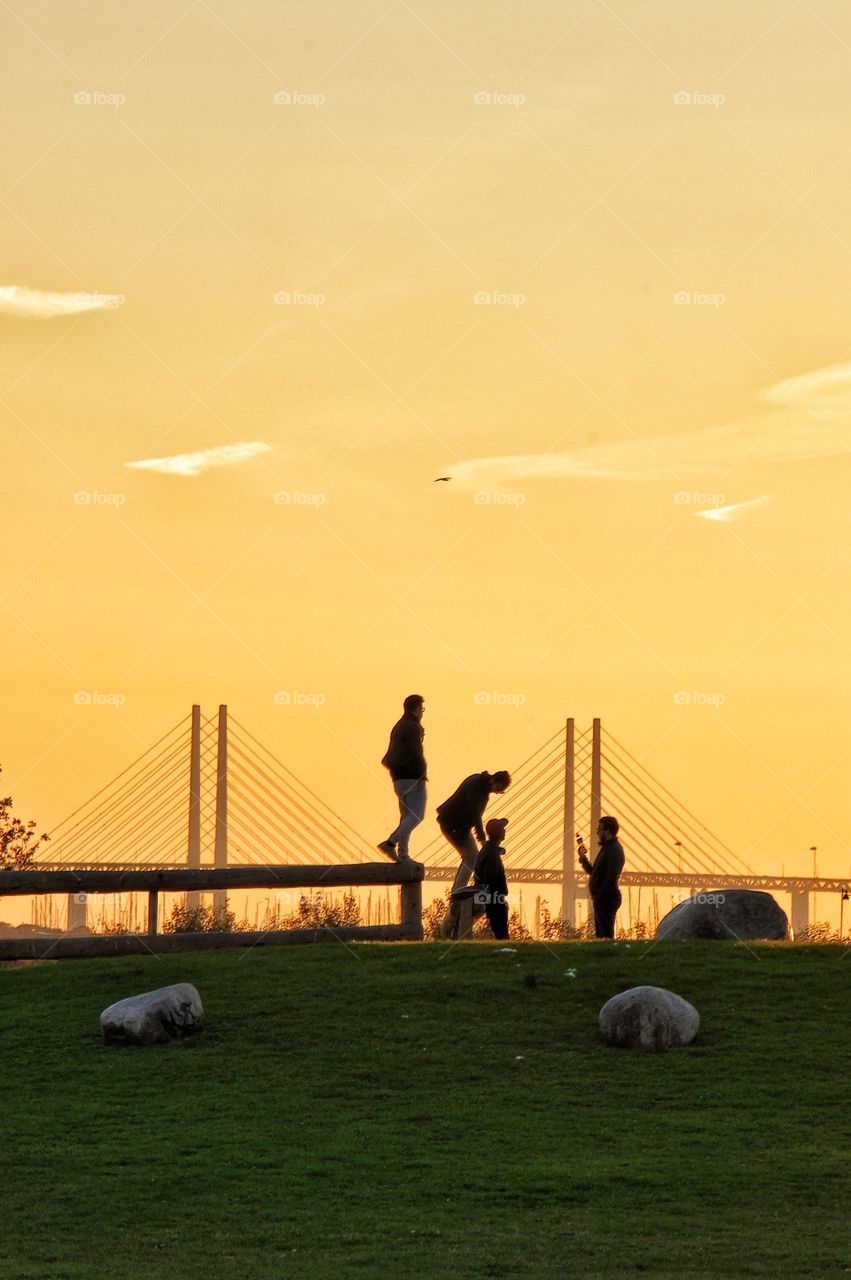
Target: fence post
(153,912)
(411,911)
(220,845)
(465,919)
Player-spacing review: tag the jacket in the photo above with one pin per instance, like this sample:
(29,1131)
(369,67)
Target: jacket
(463,810)
(490,869)
(404,756)
(606,870)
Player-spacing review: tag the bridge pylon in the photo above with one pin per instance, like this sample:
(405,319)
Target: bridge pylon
(571,889)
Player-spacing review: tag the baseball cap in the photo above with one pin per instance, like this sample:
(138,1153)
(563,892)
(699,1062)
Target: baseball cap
(495,828)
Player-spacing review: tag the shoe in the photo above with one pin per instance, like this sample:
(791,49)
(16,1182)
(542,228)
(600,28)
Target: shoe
(389,849)
(403,857)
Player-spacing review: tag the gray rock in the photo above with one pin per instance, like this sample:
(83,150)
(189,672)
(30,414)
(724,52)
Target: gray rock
(742,914)
(648,1018)
(154,1016)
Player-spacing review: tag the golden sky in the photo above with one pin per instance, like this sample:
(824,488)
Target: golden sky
(396,241)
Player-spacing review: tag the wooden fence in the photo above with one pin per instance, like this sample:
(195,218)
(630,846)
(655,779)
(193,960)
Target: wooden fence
(407,875)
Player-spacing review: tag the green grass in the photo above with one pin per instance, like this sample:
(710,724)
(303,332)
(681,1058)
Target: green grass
(417,1111)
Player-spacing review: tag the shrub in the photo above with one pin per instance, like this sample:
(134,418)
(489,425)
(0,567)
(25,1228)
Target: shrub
(200,920)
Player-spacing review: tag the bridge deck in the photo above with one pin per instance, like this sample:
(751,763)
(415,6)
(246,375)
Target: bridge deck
(552,875)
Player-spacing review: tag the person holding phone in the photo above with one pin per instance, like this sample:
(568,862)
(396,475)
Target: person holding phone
(603,875)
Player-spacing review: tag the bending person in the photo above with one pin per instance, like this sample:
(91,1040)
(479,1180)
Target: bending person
(458,818)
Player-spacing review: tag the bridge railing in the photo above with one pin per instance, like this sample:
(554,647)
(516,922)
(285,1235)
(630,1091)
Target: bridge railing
(407,875)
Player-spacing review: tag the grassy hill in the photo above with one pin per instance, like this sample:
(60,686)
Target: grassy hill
(427,1110)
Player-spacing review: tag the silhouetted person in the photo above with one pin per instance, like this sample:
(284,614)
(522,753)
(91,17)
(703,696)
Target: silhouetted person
(603,877)
(461,815)
(490,878)
(405,760)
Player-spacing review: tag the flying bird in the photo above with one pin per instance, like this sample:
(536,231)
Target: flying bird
(439,478)
(804,417)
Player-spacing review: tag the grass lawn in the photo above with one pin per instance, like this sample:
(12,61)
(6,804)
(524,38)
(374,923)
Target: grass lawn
(426,1110)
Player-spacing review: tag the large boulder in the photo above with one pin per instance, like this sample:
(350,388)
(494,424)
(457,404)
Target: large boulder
(740,914)
(648,1018)
(154,1016)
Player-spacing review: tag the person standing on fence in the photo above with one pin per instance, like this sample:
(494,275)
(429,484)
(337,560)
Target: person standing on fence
(603,876)
(491,884)
(405,761)
(458,818)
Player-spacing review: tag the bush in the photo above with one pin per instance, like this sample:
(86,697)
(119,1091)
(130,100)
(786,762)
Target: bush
(433,917)
(200,920)
(821,933)
(18,841)
(315,912)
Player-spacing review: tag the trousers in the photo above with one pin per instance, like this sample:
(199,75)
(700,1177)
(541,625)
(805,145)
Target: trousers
(605,910)
(412,803)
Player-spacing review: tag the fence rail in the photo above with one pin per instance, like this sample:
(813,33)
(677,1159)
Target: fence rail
(407,875)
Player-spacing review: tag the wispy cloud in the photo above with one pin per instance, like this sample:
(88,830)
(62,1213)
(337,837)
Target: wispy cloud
(192,464)
(732,512)
(809,417)
(18,300)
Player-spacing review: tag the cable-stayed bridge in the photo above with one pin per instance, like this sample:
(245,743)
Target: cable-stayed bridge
(208,793)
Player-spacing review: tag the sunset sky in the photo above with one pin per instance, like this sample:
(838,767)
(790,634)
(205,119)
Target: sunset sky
(392,242)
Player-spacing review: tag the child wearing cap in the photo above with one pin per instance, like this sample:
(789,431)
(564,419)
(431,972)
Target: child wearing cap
(490,877)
